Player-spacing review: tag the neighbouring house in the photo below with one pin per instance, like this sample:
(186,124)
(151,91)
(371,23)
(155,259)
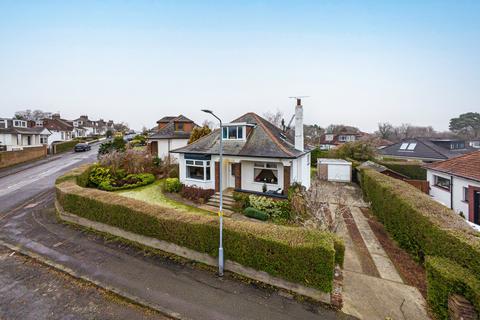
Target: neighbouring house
(92,127)
(171,133)
(456,184)
(337,170)
(331,140)
(426,149)
(16,134)
(61,129)
(475,143)
(256,155)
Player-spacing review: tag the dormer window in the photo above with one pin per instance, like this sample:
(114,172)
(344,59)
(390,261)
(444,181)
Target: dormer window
(3,124)
(233,133)
(178,126)
(20,123)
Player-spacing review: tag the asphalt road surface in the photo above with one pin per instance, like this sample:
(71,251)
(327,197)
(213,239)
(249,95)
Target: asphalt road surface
(28,221)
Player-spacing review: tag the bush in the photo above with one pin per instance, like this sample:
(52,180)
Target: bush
(117,144)
(99,175)
(410,169)
(444,278)
(256,214)
(172,185)
(317,153)
(277,209)
(128,182)
(242,200)
(130,160)
(420,224)
(196,194)
(65,146)
(358,150)
(304,256)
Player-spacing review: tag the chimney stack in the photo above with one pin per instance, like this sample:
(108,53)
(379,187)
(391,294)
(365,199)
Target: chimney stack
(299,145)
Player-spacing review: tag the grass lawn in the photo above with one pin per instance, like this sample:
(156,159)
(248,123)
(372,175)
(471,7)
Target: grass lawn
(153,194)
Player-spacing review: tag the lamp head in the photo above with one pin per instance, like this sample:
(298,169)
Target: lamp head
(207,111)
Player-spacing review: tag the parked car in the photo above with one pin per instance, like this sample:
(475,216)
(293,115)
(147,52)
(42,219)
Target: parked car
(82,147)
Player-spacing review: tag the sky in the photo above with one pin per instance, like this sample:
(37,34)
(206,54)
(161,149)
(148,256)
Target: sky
(361,62)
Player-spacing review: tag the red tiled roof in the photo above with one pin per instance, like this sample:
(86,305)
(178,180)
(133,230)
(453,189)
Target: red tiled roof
(466,166)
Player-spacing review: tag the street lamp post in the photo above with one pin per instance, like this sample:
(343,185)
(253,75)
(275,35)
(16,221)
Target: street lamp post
(220,212)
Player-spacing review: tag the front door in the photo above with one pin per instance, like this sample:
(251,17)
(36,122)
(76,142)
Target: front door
(476,207)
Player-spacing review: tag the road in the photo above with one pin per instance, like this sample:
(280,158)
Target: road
(181,290)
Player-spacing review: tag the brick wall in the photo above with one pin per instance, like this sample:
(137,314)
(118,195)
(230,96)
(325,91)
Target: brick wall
(11,158)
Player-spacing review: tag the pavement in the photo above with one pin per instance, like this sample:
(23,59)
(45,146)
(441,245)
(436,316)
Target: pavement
(180,290)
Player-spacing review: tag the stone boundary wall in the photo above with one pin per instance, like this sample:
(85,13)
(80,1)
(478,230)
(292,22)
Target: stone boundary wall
(333,298)
(11,158)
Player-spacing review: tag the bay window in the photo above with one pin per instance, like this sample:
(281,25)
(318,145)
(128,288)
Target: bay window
(265,172)
(198,169)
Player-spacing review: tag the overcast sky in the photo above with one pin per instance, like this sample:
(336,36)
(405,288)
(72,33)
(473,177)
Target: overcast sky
(362,62)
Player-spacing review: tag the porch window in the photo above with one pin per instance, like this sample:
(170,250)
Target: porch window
(198,169)
(265,172)
(442,182)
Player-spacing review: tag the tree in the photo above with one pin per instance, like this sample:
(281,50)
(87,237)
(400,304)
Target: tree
(109,133)
(274,118)
(385,130)
(467,124)
(358,150)
(32,115)
(338,128)
(199,132)
(313,134)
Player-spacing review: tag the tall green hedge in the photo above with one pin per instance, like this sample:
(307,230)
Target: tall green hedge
(65,146)
(299,255)
(420,224)
(412,170)
(444,278)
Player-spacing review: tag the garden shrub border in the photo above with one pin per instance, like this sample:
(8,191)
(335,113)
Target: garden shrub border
(303,256)
(412,170)
(65,146)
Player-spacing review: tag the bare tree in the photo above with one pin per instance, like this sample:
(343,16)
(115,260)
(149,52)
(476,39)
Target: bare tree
(385,130)
(274,118)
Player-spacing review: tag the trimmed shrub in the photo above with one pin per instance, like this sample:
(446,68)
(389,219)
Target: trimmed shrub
(128,182)
(242,200)
(99,175)
(172,185)
(196,194)
(256,214)
(419,224)
(277,209)
(304,256)
(444,278)
(317,153)
(65,146)
(410,169)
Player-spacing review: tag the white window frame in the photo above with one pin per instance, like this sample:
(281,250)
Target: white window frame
(404,146)
(411,146)
(265,165)
(19,123)
(205,164)
(227,128)
(5,124)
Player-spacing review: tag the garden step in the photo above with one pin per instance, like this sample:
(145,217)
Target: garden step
(217,203)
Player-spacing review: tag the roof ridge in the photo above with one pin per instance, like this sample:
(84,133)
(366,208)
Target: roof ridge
(422,140)
(270,134)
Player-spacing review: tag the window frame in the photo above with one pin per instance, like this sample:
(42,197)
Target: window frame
(205,164)
(465,194)
(238,129)
(23,123)
(436,183)
(266,166)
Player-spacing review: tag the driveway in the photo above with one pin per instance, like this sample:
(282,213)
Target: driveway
(372,288)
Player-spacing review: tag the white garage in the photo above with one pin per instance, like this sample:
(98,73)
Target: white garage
(334,170)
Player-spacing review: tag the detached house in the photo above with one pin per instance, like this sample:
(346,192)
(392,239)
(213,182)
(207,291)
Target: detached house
(16,134)
(61,129)
(427,149)
(456,184)
(257,154)
(171,133)
(330,141)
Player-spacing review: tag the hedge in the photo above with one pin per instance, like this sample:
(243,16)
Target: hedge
(412,170)
(256,214)
(299,255)
(419,224)
(444,278)
(65,146)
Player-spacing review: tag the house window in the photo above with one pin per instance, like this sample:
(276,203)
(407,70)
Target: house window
(178,126)
(20,123)
(409,146)
(442,182)
(198,169)
(3,124)
(404,146)
(232,133)
(43,140)
(465,194)
(265,172)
